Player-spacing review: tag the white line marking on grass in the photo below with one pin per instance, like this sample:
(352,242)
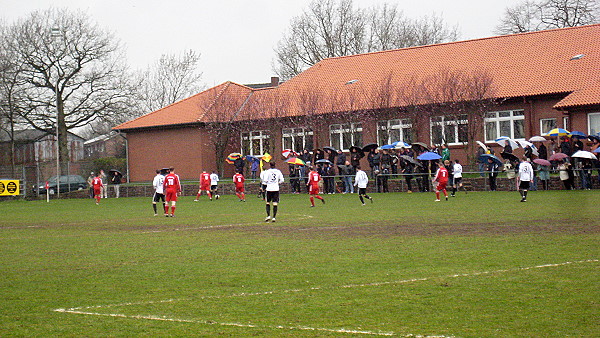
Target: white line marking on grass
(80,310)
(210,322)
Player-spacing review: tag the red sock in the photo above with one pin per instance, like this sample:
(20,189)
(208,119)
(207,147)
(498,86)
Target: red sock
(209,195)
(166,208)
(243,196)
(312,201)
(319,197)
(172,210)
(445,192)
(238,195)
(97,199)
(198,196)
(437,194)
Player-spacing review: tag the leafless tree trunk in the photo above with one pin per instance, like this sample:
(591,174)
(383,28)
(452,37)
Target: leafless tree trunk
(72,70)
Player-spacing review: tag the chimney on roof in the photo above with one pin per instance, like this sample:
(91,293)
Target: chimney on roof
(274,81)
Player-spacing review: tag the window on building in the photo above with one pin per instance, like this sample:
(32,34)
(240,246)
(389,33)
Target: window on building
(297,139)
(546,125)
(593,123)
(256,142)
(449,130)
(509,123)
(343,136)
(394,130)
(566,123)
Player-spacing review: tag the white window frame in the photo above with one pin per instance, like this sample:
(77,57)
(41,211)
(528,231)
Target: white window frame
(542,131)
(590,130)
(250,136)
(396,124)
(497,119)
(295,133)
(339,130)
(448,121)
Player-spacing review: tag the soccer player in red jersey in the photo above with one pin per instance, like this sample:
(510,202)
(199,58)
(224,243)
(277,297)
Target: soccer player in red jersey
(172,187)
(440,181)
(238,180)
(204,186)
(97,185)
(313,186)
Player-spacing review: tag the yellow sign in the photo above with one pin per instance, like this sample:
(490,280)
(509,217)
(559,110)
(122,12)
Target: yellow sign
(9,187)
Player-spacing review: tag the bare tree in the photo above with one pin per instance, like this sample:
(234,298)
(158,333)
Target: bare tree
(530,16)
(332,28)
(11,98)
(72,71)
(168,80)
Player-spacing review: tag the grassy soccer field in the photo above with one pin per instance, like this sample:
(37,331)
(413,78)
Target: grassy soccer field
(479,265)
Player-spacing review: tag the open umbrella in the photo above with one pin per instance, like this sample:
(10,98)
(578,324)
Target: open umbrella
(479,143)
(485,157)
(541,161)
(330,149)
(252,158)
(357,149)
(401,144)
(114,171)
(388,146)
(409,159)
(558,132)
(578,134)
(524,144)
(429,156)
(324,160)
(295,160)
(287,153)
(509,156)
(594,137)
(503,139)
(420,144)
(558,156)
(584,154)
(232,157)
(369,147)
(537,139)
(597,150)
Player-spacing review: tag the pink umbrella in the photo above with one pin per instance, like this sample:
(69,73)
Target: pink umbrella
(541,161)
(558,156)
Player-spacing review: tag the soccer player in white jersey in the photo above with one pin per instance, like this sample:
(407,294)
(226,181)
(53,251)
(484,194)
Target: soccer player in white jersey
(159,193)
(525,177)
(272,178)
(214,180)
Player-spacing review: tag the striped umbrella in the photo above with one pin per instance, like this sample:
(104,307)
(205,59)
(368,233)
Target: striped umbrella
(232,157)
(295,160)
(558,132)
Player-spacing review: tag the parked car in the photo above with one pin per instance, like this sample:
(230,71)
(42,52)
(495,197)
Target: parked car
(67,183)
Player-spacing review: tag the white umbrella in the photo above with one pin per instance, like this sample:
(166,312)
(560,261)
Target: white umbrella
(482,145)
(537,139)
(401,144)
(503,139)
(524,144)
(584,154)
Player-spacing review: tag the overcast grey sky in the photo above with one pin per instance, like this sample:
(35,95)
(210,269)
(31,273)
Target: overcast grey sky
(236,38)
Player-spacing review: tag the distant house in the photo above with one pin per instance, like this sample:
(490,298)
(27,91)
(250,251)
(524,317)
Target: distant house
(109,145)
(538,81)
(33,146)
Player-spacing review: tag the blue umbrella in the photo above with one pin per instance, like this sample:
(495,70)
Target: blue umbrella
(387,146)
(485,157)
(429,156)
(597,150)
(578,134)
(252,158)
(401,144)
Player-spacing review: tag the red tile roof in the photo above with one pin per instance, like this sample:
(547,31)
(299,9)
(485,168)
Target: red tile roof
(528,64)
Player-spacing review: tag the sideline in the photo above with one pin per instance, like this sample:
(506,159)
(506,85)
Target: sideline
(84,310)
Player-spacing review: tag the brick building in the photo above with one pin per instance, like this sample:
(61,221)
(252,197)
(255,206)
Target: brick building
(455,93)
